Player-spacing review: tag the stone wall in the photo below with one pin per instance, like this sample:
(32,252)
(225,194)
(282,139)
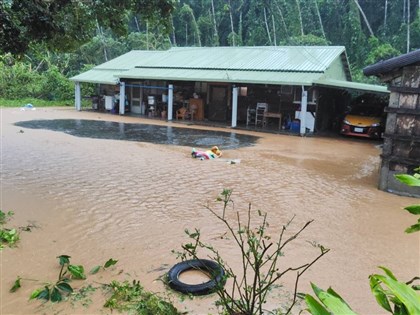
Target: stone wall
(401,151)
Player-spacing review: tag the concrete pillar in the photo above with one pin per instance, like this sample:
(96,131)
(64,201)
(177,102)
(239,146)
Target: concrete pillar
(122,98)
(234,106)
(77,97)
(303,111)
(170,101)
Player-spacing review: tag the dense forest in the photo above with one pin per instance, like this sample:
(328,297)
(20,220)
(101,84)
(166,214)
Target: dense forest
(37,62)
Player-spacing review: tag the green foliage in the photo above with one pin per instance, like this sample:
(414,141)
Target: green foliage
(389,291)
(109,263)
(18,79)
(380,51)
(65,25)
(55,292)
(308,40)
(8,236)
(260,254)
(395,297)
(133,299)
(332,303)
(414,181)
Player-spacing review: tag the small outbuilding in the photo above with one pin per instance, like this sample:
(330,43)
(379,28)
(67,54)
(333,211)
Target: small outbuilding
(304,89)
(401,150)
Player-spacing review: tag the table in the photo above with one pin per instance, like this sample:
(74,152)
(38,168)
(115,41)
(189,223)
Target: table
(272,115)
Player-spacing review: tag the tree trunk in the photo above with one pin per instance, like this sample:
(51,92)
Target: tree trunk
(173,31)
(137,24)
(282,20)
(215,35)
(386,16)
(408,26)
(364,17)
(300,18)
(197,31)
(274,30)
(186,34)
(101,35)
(320,19)
(231,24)
(266,27)
(404,6)
(147,35)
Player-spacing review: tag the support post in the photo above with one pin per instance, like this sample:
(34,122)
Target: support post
(234,106)
(77,97)
(303,110)
(122,98)
(170,101)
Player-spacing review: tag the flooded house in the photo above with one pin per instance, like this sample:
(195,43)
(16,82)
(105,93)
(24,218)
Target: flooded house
(401,150)
(300,89)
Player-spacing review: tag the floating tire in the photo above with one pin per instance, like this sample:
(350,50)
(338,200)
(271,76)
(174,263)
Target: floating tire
(209,267)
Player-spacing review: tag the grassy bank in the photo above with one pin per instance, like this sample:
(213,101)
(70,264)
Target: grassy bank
(38,102)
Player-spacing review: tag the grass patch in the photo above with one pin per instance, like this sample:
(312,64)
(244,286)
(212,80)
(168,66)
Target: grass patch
(40,103)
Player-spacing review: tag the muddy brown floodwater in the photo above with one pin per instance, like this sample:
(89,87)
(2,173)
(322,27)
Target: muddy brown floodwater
(94,198)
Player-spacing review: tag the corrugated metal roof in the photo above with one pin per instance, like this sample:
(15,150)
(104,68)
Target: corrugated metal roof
(351,85)
(130,59)
(99,76)
(231,76)
(278,58)
(287,65)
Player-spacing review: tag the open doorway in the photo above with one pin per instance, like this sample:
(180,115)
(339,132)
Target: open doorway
(218,109)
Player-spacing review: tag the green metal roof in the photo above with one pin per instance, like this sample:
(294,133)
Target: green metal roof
(270,58)
(351,85)
(229,76)
(280,65)
(99,76)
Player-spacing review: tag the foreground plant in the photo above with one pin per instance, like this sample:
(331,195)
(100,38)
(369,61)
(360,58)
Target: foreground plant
(8,236)
(55,292)
(396,297)
(133,299)
(260,259)
(414,181)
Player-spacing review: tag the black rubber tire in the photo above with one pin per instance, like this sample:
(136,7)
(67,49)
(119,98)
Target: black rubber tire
(214,270)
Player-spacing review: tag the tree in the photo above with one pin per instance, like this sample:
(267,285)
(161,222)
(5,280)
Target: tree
(66,24)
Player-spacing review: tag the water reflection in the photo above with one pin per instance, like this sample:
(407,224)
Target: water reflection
(143,133)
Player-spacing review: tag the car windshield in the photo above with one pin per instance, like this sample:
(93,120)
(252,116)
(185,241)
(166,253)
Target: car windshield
(365,110)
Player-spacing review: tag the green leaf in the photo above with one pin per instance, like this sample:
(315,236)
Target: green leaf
(110,263)
(414,209)
(35,293)
(413,228)
(16,286)
(77,271)
(64,259)
(388,273)
(337,306)
(56,295)
(408,179)
(379,294)
(315,308)
(316,289)
(63,286)
(44,294)
(333,293)
(95,270)
(408,297)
